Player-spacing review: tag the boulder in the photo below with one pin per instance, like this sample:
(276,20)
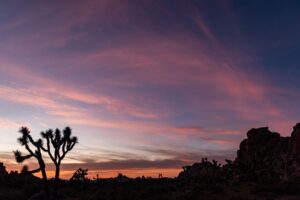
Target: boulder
(267,155)
(263,156)
(295,140)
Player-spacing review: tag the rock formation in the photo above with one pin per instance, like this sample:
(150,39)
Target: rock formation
(294,145)
(262,156)
(267,155)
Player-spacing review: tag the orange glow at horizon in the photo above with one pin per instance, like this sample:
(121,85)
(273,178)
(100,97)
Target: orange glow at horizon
(132,173)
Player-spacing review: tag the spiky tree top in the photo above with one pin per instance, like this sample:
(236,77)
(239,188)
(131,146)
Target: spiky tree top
(61,144)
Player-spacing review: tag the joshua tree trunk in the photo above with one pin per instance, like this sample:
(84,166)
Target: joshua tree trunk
(45,180)
(57,169)
(44,175)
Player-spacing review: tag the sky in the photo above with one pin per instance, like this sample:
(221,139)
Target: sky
(147,86)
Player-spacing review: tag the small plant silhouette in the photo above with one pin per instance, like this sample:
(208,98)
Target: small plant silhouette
(80,175)
(27,141)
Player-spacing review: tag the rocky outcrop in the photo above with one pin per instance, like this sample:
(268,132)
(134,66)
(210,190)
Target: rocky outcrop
(294,146)
(263,156)
(266,155)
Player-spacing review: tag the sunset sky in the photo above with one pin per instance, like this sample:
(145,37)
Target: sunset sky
(147,86)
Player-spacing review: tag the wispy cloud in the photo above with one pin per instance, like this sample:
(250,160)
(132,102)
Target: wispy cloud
(10,124)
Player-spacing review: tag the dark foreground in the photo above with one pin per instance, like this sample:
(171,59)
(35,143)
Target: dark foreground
(156,189)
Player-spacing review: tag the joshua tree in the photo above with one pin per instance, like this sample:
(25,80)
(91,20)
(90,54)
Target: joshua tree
(61,145)
(34,149)
(80,175)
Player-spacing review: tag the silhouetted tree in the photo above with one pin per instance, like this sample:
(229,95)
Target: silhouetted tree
(27,141)
(57,146)
(80,175)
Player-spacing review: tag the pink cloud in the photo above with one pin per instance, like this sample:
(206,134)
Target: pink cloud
(48,92)
(169,63)
(10,124)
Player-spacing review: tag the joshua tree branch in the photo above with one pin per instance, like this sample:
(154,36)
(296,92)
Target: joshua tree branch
(35,171)
(29,150)
(31,140)
(21,158)
(36,152)
(64,146)
(49,149)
